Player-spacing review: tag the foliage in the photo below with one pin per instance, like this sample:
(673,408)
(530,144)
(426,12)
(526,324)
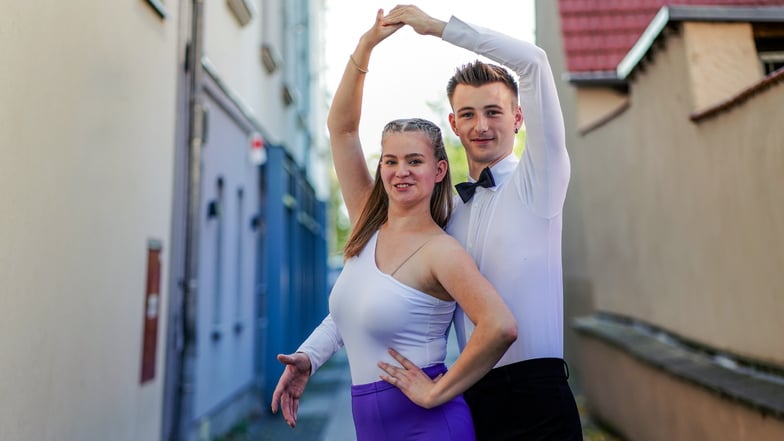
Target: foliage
(338,219)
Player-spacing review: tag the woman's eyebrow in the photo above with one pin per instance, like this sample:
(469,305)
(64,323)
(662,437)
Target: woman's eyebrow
(408,155)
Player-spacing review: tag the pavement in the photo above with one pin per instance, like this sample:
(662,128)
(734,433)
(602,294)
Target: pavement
(325,410)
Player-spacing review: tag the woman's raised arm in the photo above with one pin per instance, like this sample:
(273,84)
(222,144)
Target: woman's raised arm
(343,120)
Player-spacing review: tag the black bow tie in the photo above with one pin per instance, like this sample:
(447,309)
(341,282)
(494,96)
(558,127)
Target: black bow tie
(466,190)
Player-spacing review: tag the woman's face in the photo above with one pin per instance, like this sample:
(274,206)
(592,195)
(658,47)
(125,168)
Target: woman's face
(408,167)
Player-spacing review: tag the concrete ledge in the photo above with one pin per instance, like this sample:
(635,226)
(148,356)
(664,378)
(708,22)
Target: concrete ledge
(763,393)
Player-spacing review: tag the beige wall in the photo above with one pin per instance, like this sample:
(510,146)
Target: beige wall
(722,60)
(677,223)
(596,105)
(685,220)
(646,404)
(87,137)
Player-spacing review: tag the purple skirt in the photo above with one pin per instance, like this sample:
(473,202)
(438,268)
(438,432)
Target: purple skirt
(383,413)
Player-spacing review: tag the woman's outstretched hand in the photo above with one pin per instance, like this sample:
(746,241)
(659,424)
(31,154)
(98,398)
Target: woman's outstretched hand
(291,385)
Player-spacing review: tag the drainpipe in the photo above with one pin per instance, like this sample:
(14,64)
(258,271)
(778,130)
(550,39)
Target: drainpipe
(184,413)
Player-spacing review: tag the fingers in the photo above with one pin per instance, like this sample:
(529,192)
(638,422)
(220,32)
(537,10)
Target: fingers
(289,412)
(287,359)
(384,26)
(292,419)
(388,368)
(276,394)
(275,399)
(284,404)
(401,13)
(388,379)
(402,360)
(392,374)
(293,413)
(298,361)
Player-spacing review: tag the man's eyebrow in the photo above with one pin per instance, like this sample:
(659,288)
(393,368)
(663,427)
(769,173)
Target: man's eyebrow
(489,106)
(493,107)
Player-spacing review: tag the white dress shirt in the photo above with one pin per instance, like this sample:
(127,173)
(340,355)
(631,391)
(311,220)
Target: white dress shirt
(513,230)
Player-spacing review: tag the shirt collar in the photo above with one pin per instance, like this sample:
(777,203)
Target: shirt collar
(502,170)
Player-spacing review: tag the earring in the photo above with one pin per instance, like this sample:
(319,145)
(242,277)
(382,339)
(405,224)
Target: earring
(516,129)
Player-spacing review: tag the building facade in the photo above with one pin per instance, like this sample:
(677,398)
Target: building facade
(673,222)
(165,222)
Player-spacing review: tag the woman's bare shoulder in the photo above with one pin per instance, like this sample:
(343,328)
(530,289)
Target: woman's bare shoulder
(444,243)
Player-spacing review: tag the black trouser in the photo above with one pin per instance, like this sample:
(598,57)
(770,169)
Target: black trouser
(529,400)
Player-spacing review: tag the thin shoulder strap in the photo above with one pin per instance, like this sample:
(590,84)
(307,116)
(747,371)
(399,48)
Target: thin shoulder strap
(410,256)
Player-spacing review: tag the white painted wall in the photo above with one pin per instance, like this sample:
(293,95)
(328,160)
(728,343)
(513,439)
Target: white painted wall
(235,52)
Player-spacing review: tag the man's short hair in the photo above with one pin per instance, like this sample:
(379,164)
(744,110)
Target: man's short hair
(478,74)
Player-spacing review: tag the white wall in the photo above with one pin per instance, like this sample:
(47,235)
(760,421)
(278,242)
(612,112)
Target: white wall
(86,140)
(235,52)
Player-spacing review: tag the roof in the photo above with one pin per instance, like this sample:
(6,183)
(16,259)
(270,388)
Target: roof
(599,34)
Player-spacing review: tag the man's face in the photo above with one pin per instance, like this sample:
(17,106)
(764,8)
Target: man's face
(485,119)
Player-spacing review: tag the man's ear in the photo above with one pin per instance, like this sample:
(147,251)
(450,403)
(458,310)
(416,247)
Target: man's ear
(519,117)
(452,123)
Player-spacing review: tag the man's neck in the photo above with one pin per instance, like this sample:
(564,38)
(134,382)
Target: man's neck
(475,168)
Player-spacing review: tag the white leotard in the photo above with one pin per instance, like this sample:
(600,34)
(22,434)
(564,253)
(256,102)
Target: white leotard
(374,311)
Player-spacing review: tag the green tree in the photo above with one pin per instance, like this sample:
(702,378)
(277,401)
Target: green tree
(339,224)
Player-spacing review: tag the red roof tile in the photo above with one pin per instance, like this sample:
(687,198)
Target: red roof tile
(597,34)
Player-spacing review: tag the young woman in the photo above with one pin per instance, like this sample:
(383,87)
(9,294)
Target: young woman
(403,274)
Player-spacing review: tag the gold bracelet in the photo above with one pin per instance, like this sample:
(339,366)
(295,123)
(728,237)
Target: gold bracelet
(359,68)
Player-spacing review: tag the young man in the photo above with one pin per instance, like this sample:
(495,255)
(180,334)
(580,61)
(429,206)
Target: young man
(511,225)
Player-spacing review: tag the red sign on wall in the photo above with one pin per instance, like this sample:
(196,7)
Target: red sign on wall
(152,300)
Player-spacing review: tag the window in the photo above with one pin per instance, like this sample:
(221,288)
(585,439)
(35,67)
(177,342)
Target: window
(243,10)
(769,39)
(771,61)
